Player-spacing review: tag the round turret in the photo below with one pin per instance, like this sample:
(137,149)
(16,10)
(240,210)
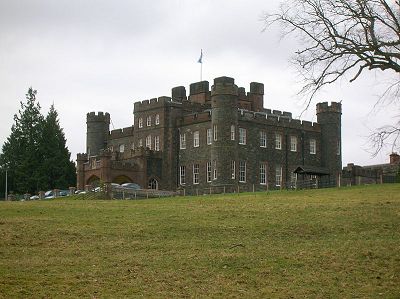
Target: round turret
(224,118)
(329,117)
(98,127)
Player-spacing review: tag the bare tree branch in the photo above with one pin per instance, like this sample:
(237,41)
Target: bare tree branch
(340,38)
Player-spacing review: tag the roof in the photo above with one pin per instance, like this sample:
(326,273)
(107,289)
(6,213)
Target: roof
(304,169)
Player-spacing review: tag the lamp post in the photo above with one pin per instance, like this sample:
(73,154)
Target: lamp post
(6,191)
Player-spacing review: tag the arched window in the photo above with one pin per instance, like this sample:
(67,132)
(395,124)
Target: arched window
(153,184)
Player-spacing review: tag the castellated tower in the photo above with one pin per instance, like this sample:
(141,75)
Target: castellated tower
(98,127)
(329,117)
(224,104)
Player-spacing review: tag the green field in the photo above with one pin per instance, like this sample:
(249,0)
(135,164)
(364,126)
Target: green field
(332,243)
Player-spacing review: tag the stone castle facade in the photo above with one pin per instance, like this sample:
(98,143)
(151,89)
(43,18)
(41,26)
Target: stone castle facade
(214,140)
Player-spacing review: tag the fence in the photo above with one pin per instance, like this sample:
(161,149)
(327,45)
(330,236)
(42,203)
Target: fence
(125,193)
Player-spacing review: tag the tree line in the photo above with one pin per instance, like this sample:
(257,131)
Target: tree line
(35,154)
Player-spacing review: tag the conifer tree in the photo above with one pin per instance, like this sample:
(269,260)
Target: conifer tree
(35,154)
(57,170)
(20,152)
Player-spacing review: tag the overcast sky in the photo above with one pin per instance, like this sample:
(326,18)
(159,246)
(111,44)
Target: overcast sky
(104,55)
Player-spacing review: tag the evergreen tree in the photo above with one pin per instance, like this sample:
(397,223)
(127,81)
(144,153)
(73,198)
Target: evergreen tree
(20,152)
(57,170)
(35,154)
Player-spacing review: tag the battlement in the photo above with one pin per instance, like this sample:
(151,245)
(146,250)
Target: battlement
(199,92)
(224,85)
(124,132)
(152,103)
(335,107)
(100,117)
(81,157)
(279,119)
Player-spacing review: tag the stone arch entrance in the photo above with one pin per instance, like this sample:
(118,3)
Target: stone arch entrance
(94,181)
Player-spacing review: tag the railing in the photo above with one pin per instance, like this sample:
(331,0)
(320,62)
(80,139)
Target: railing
(124,193)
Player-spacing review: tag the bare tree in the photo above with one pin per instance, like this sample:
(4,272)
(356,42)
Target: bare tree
(343,38)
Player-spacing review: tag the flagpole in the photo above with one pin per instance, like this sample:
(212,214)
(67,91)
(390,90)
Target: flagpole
(201,64)
(201,71)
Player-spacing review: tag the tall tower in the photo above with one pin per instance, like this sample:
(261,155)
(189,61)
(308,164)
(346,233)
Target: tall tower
(98,127)
(224,116)
(329,117)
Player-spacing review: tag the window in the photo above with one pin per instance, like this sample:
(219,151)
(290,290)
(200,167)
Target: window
(153,184)
(338,148)
(278,175)
(209,136)
(182,171)
(263,139)
(148,141)
(313,146)
(195,173)
(215,170)
(140,122)
(183,141)
(293,143)
(209,171)
(263,173)
(242,171)
(232,132)
(157,143)
(233,169)
(148,121)
(215,133)
(196,141)
(121,148)
(140,142)
(278,141)
(157,119)
(132,145)
(242,136)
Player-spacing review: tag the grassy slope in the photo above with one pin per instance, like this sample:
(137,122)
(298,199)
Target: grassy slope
(319,243)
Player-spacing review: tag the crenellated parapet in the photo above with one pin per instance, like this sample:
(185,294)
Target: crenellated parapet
(124,132)
(282,119)
(81,157)
(324,107)
(224,86)
(99,117)
(154,103)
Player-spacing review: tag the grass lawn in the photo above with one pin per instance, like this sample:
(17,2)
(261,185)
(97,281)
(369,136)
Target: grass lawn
(331,243)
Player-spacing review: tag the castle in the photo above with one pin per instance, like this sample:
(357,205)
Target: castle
(218,140)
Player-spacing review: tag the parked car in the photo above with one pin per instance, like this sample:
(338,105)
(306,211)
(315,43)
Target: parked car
(34,197)
(133,186)
(64,193)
